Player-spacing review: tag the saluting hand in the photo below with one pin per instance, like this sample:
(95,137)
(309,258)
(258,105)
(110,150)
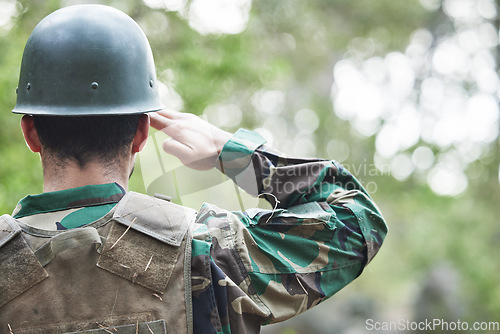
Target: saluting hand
(195,142)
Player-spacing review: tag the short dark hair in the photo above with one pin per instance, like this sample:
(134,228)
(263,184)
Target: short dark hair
(86,138)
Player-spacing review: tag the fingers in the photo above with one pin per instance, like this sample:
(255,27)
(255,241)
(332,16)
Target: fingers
(188,156)
(167,115)
(176,124)
(159,121)
(172,114)
(177,149)
(194,141)
(162,119)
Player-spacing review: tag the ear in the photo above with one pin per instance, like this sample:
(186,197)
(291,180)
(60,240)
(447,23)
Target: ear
(30,133)
(141,134)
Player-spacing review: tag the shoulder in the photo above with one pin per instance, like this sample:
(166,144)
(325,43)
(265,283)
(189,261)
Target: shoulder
(156,217)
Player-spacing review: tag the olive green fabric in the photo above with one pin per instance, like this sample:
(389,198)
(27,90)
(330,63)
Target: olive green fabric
(19,267)
(76,295)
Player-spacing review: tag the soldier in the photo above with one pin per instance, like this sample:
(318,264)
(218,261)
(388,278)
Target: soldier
(88,256)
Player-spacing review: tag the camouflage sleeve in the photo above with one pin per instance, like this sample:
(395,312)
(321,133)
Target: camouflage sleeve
(323,231)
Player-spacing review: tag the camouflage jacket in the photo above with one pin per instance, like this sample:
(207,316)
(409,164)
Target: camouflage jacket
(256,266)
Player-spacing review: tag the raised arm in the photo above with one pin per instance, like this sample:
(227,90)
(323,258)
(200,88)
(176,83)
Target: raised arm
(322,232)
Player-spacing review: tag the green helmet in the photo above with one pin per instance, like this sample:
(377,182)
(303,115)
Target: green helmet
(87,60)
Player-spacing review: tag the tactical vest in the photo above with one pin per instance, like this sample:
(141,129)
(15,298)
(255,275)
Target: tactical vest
(128,272)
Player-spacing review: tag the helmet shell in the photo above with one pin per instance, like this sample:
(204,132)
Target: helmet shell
(87,60)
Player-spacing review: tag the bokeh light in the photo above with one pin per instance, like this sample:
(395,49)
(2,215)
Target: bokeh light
(9,10)
(441,92)
(219,16)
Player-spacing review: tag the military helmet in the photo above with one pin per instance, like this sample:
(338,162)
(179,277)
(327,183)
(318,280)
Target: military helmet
(87,60)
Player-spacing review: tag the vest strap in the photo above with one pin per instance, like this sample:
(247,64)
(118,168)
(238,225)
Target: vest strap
(19,268)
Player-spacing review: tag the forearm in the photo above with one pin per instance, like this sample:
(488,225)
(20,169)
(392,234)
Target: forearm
(261,170)
(301,189)
(322,231)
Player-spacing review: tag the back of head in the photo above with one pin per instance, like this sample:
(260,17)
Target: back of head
(87,72)
(84,139)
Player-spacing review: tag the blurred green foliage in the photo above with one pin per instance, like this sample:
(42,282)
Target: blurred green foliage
(292,46)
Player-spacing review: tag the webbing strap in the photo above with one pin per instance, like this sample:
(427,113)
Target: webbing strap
(8,229)
(69,239)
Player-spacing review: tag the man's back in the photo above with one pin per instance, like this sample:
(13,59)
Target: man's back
(247,268)
(86,250)
(113,272)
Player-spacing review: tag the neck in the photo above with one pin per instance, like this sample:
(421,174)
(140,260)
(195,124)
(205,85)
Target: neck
(70,175)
